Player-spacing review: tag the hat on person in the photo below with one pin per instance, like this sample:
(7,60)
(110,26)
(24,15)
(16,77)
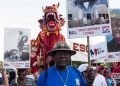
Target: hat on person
(105,71)
(61,46)
(83,67)
(100,68)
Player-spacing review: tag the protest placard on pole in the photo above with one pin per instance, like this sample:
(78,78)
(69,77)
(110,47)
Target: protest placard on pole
(16,48)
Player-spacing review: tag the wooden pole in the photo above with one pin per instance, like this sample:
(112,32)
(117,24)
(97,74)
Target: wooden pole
(88,44)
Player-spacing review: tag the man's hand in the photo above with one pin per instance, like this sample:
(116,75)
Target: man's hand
(34,64)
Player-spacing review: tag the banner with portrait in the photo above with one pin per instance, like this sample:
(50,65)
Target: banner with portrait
(16,48)
(88,18)
(113,40)
(113,44)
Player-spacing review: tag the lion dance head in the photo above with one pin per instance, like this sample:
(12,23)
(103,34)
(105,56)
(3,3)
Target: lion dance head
(51,21)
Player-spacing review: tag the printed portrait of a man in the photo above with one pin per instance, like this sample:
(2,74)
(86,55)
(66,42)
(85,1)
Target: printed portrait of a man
(114,41)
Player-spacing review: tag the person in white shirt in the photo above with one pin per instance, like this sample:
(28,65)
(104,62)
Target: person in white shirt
(99,80)
(83,68)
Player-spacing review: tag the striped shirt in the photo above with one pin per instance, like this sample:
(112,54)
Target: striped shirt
(29,82)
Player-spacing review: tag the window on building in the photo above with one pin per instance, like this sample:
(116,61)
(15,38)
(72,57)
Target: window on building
(70,17)
(107,16)
(88,16)
(104,16)
(100,15)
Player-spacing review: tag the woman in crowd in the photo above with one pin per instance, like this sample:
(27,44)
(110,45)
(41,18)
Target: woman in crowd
(109,80)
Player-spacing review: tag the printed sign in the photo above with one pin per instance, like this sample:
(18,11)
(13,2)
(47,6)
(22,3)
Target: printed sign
(115,75)
(16,48)
(113,41)
(89,18)
(81,49)
(97,51)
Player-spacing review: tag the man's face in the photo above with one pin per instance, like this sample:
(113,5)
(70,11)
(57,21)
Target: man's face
(61,58)
(116,29)
(107,74)
(21,74)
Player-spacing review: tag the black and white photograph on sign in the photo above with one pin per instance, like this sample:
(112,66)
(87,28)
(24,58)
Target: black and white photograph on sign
(113,41)
(16,44)
(87,12)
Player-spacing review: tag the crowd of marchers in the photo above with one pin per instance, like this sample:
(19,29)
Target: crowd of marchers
(61,73)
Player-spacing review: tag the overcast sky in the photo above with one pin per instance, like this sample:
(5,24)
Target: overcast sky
(26,13)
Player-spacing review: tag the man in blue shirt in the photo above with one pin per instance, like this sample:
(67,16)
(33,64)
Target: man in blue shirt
(61,74)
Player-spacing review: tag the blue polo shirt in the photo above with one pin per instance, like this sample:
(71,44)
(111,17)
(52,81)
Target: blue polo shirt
(53,79)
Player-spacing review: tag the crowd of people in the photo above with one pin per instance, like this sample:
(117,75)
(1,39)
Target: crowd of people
(60,74)
(102,75)
(21,77)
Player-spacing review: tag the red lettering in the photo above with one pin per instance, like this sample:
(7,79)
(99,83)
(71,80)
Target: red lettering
(82,47)
(76,46)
